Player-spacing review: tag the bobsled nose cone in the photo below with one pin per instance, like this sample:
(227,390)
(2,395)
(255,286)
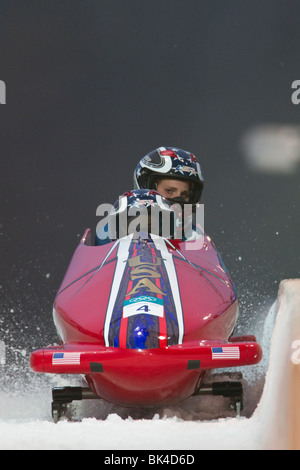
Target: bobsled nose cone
(140,336)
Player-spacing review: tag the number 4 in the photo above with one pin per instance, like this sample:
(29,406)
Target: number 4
(145,308)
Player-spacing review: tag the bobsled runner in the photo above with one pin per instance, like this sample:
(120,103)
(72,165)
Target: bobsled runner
(144,319)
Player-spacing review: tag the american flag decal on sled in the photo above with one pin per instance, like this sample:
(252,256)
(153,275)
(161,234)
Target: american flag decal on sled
(225,352)
(66,358)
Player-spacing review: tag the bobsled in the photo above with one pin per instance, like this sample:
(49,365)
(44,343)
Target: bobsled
(144,319)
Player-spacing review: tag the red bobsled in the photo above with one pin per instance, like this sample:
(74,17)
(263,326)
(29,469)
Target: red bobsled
(144,320)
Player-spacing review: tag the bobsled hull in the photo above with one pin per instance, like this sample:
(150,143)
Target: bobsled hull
(144,377)
(144,320)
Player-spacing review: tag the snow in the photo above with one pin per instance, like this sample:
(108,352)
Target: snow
(26,423)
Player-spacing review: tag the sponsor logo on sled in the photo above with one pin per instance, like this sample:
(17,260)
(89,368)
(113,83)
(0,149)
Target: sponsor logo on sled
(143,305)
(226,352)
(66,358)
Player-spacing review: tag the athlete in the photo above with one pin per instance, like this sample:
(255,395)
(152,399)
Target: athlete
(173,172)
(176,175)
(139,212)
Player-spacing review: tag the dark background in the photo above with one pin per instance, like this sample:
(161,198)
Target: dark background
(92,86)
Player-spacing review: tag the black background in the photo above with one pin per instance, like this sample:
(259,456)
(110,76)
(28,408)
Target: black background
(93,85)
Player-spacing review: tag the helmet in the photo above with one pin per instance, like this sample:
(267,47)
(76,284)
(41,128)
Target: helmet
(141,211)
(170,162)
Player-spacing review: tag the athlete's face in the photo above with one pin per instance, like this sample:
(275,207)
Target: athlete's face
(171,188)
